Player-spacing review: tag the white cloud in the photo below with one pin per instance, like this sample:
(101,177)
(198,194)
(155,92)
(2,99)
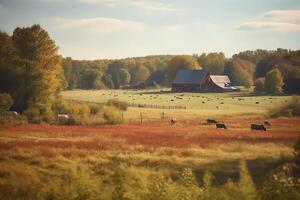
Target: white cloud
(267,25)
(154,5)
(278,20)
(283,15)
(100,25)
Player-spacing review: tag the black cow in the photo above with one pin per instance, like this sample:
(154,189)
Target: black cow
(211,121)
(219,125)
(267,123)
(258,127)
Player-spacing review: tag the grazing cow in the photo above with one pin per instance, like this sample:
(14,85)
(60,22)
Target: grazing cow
(258,127)
(63,118)
(267,123)
(173,120)
(211,121)
(219,125)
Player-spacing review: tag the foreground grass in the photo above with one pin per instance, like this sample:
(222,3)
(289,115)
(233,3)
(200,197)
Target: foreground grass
(103,165)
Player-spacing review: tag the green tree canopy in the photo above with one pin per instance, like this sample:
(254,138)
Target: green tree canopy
(180,62)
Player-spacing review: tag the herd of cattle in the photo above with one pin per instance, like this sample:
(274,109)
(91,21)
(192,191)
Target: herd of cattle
(260,127)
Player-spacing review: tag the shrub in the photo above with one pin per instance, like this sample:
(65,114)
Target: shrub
(13,119)
(32,114)
(290,109)
(117,103)
(246,184)
(5,102)
(95,109)
(46,114)
(187,177)
(158,188)
(112,115)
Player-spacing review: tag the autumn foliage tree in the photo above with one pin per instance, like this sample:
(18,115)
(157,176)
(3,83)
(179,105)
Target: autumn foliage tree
(274,82)
(41,67)
(259,85)
(240,71)
(142,73)
(212,62)
(30,68)
(180,62)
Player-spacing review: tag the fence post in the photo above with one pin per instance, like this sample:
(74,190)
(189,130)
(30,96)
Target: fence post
(141,115)
(163,115)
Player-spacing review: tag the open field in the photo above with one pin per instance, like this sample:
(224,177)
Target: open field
(37,160)
(128,160)
(198,105)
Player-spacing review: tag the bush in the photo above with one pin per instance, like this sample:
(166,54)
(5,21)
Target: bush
(13,119)
(33,115)
(95,109)
(46,114)
(112,115)
(290,109)
(90,113)
(118,104)
(5,102)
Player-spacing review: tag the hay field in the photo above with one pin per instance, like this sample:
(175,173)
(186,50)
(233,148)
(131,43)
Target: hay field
(198,105)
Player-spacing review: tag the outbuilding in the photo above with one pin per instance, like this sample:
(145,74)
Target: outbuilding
(201,81)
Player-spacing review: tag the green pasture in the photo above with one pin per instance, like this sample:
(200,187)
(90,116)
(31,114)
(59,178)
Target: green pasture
(197,104)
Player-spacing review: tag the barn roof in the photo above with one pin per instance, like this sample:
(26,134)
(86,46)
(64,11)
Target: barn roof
(222,81)
(186,76)
(219,78)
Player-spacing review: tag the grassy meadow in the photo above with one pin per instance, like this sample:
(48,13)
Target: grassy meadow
(154,160)
(134,161)
(198,105)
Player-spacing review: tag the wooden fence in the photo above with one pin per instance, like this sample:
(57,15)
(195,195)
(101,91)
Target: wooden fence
(138,105)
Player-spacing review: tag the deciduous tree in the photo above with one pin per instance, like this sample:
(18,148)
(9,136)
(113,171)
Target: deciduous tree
(274,82)
(41,67)
(180,62)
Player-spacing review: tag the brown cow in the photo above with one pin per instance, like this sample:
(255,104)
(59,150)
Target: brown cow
(267,123)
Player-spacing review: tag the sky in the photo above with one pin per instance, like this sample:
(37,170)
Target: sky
(98,29)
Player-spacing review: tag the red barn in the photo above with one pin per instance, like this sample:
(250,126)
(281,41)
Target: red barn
(200,81)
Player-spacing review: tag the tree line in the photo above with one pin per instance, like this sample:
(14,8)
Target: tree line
(246,68)
(33,73)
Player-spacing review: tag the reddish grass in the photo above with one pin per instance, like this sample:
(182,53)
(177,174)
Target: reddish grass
(152,135)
